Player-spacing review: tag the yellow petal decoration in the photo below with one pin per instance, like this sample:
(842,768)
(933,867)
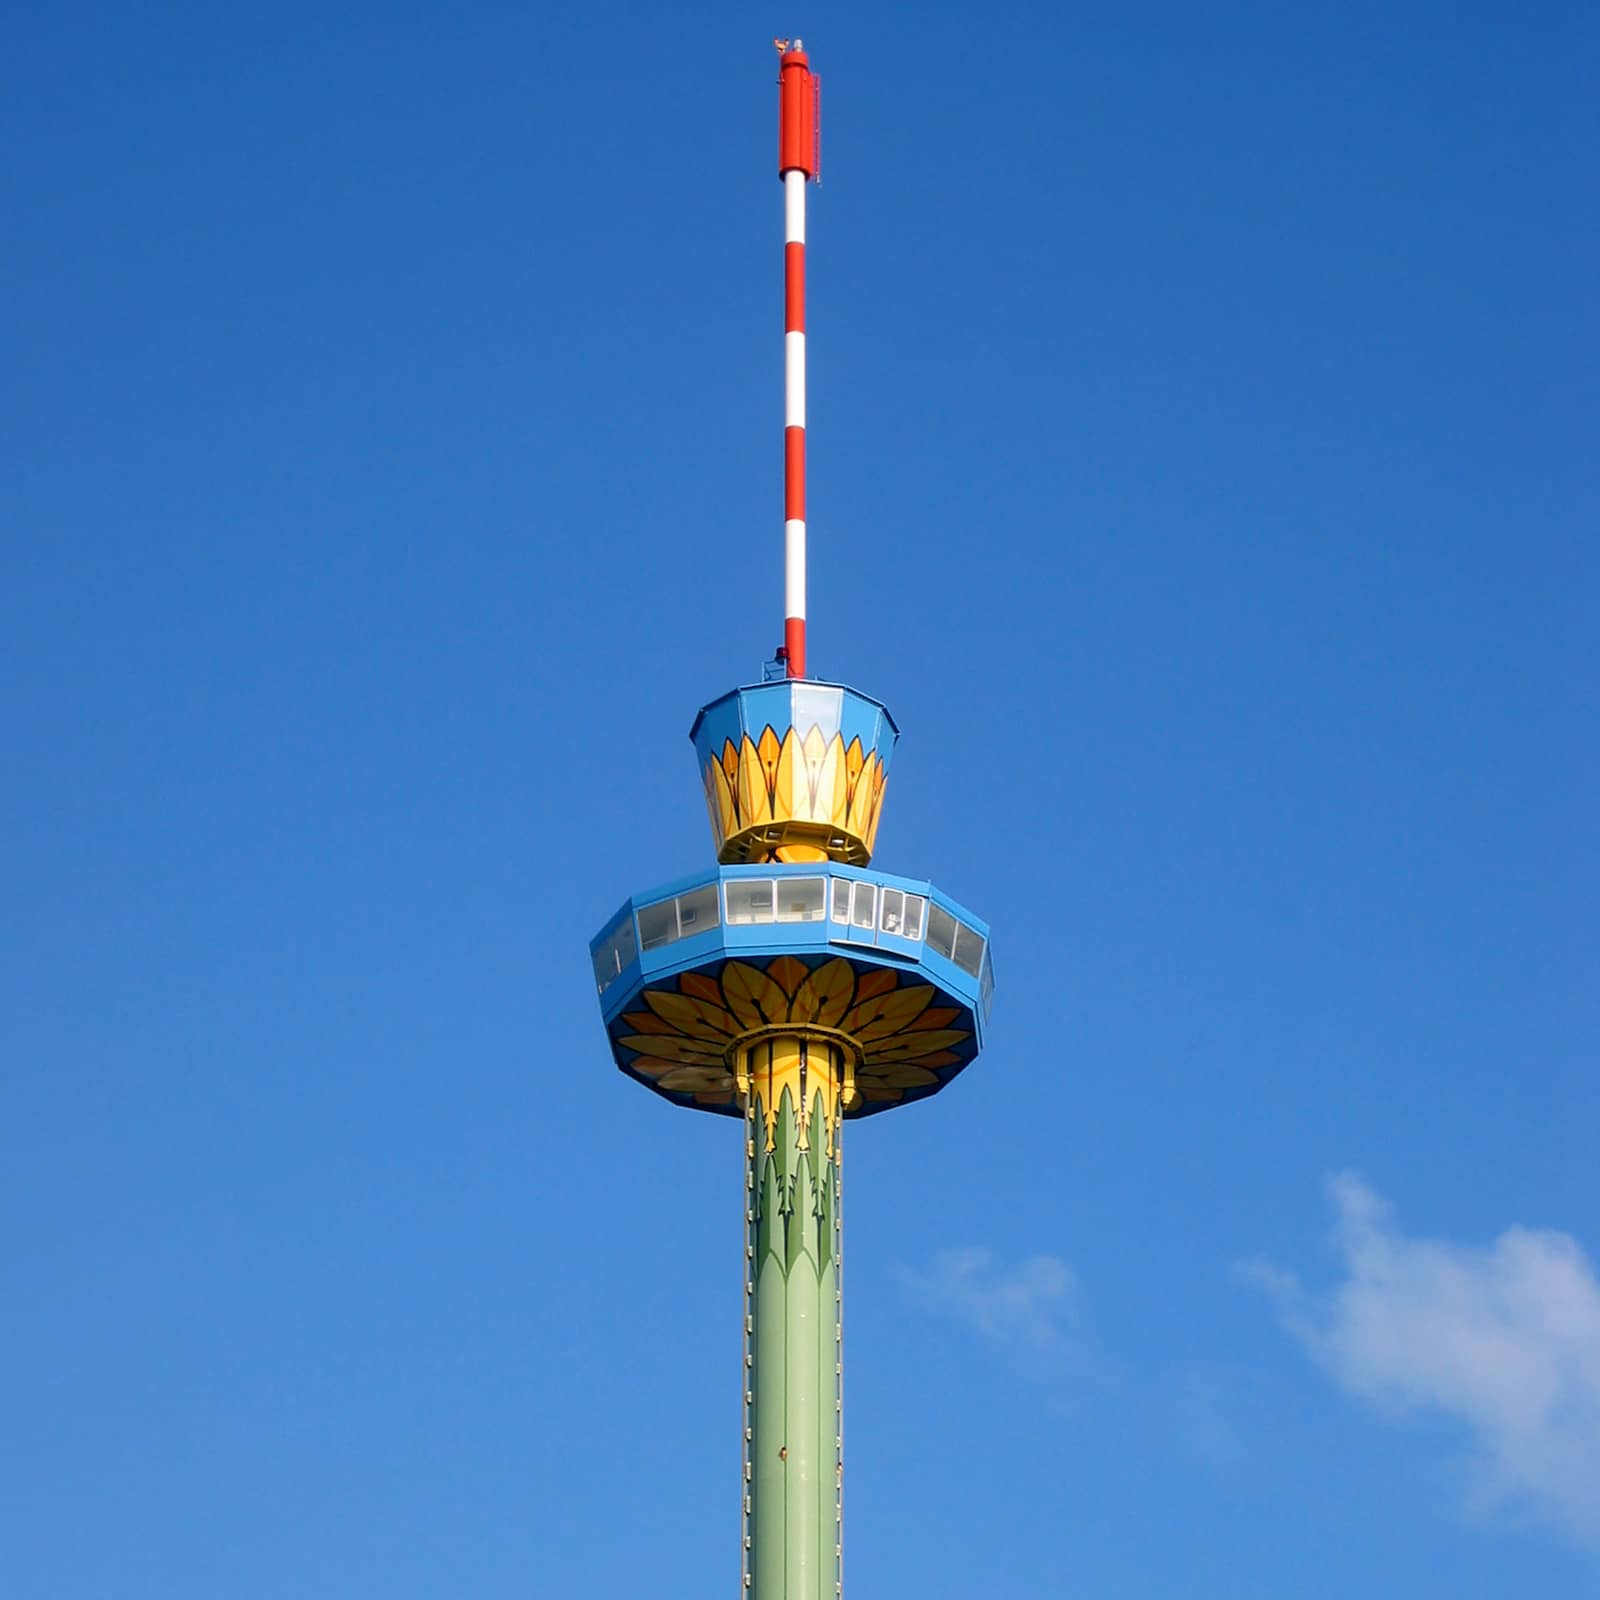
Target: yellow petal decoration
(690,1030)
(804,796)
(822,998)
(879,1017)
(697,1018)
(752,996)
(787,972)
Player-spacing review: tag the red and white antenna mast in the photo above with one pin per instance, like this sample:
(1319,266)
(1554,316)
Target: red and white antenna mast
(797,166)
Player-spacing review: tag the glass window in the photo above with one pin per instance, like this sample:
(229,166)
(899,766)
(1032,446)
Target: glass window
(750,901)
(697,911)
(942,931)
(616,951)
(863,905)
(841,900)
(658,924)
(969,949)
(914,909)
(800,899)
(816,707)
(986,982)
(892,913)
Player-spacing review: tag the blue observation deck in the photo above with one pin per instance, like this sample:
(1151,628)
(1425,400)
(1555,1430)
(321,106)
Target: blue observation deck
(689,968)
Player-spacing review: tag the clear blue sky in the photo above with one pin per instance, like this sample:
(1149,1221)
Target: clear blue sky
(1202,420)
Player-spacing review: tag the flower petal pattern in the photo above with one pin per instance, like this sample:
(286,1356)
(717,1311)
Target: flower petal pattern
(787,797)
(682,1037)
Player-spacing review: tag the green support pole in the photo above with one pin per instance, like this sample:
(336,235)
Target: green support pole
(792,1358)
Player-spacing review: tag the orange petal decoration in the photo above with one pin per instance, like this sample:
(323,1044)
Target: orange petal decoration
(911,1046)
(825,996)
(695,1052)
(696,1018)
(787,973)
(701,987)
(888,1014)
(752,996)
(874,983)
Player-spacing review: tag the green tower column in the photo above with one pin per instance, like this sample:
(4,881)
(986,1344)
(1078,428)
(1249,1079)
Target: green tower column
(795,1088)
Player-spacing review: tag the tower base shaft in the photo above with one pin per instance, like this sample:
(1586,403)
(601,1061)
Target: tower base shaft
(794,1092)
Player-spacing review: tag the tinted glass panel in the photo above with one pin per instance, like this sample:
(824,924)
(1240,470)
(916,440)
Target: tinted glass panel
(942,931)
(841,899)
(862,905)
(892,912)
(969,949)
(658,924)
(818,708)
(616,952)
(750,901)
(800,899)
(914,909)
(697,911)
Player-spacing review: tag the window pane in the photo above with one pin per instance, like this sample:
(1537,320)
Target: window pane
(914,908)
(750,901)
(614,954)
(657,925)
(841,899)
(863,905)
(942,931)
(816,707)
(800,899)
(892,913)
(969,949)
(697,911)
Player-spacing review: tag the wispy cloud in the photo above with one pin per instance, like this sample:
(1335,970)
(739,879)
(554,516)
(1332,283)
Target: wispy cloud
(1506,1339)
(1029,1311)
(1201,1422)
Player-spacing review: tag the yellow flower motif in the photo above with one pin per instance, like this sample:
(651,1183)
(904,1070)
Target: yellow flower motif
(794,798)
(685,1038)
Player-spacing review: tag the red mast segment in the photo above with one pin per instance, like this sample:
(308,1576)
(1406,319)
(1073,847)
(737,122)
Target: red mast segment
(797,165)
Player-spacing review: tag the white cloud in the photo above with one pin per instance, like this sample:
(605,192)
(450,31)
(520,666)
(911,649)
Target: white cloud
(1504,1339)
(1028,1311)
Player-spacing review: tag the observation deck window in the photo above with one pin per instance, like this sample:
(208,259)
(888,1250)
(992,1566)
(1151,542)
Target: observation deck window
(616,951)
(863,905)
(750,900)
(955,941)
(840,912)
(942,932)
(753,900)
(800,899)
(855,905)
(678,918)
(900,914)
(970,946)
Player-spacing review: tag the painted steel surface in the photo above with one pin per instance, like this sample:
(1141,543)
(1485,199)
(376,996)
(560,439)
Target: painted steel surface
(797,165)
(793,1367)
(679,1009)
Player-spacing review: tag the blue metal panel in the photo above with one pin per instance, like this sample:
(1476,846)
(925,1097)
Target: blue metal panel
(829,707)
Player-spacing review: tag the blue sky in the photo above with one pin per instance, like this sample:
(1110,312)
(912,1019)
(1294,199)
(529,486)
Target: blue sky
(1201,419)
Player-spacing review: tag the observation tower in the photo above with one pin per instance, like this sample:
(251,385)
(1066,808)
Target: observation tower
(793,987)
